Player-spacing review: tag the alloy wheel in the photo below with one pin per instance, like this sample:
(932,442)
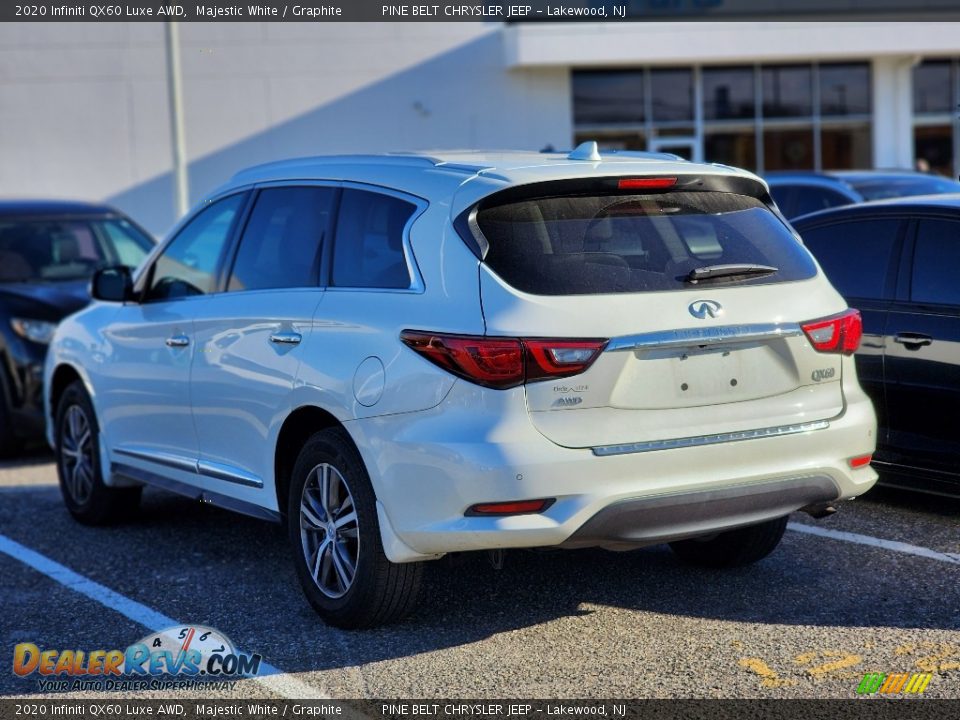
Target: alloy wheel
(76,454)
(329,531)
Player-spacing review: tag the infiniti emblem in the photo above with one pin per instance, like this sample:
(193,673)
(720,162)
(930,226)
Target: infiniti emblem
(703,309)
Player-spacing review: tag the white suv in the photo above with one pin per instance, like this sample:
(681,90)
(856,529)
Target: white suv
(403,356)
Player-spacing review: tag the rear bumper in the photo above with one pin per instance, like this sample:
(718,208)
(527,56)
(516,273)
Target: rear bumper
(480,446)
(664,518)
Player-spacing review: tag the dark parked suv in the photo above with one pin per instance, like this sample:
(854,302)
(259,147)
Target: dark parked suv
(898,262)
(48,251)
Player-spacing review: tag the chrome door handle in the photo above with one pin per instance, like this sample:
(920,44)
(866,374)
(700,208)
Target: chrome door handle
(286,338)
(178,341)
(912,341)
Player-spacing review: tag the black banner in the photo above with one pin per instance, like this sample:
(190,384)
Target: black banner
(476,11)
(108,709)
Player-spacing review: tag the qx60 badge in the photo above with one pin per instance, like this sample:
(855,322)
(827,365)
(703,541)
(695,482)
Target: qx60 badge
(703,309)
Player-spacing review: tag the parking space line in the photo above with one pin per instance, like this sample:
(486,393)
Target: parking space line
(274,680)
(893,545)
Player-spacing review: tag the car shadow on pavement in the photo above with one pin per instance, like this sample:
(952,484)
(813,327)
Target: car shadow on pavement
(31,456)
(202,565)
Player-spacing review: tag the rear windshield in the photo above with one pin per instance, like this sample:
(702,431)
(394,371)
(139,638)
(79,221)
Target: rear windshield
(598,244)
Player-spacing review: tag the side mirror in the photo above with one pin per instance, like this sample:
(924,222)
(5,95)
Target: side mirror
(113,284)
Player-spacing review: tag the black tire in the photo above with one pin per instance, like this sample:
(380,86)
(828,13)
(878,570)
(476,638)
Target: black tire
(732,548)
(78,464)
(379,591)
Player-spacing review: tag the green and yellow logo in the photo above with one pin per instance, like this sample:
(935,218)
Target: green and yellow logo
(894,683)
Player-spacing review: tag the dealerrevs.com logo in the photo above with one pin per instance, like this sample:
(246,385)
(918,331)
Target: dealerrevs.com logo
(184,655)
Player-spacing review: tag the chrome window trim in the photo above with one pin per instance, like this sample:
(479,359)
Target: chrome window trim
(700,440)
(704,336)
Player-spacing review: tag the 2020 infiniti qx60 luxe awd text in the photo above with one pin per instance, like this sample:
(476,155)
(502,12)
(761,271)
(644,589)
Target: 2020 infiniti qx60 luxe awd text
(402,356)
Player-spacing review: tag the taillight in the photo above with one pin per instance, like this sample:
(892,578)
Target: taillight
(837,334)
(504,362)
(559,358)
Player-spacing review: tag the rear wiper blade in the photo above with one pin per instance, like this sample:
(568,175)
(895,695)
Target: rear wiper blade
(709,272)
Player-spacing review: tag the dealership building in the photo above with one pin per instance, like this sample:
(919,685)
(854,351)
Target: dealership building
(85,109)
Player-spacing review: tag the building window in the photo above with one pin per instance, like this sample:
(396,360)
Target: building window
(761,117)
(788,148)
(846,146)
(672,95)
(844,89)
(605,98)
(737,147)
(935,124)
(787,91)
(728,93)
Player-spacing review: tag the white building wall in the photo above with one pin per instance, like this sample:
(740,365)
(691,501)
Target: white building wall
(893,111)
(83,107)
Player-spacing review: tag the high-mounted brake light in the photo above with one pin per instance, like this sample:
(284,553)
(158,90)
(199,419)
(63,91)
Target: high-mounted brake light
(504,362)
(646,183)
(517,507)
(837,334)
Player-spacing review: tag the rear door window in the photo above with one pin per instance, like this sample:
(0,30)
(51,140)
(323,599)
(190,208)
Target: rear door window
(857,255)
(586,245)
(936,258)
(368,249)
(282,242)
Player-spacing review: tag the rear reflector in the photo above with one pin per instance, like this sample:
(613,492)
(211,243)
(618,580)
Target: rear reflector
(646,183)
(860,461)
(837,334)
(520,507)
(504,362)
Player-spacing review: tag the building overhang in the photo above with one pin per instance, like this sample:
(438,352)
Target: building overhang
(609,44)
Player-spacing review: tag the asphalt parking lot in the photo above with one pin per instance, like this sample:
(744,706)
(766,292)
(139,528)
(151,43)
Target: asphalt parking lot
(879,593)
